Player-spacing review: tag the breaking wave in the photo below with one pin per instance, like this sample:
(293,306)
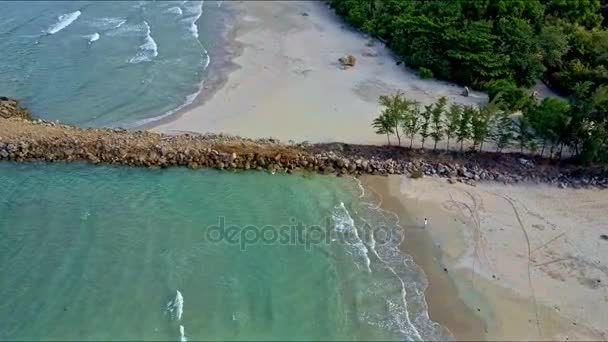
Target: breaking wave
(194,13)
(175,307)
(148,50)
(407,312)
(64,21)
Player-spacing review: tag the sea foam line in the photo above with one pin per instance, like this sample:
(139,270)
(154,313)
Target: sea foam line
(344,223)
(64,21)
(197,11)
(189,100)
(147,48)
(402,315)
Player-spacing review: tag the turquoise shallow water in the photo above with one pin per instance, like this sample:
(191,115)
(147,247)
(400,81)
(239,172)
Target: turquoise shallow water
(103,63)
(107,253)
(96,253)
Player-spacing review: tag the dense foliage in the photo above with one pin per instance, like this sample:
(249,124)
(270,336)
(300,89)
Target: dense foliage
(546,127)
(504,47)
(563,42)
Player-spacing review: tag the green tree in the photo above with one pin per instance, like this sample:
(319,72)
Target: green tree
(582,12)
(554,45)
(384,125)
(411,124)
(396,108)
(523,135)
(453,122)
(437,120)
(547,119)
(508,96)
(425,123)
(503,133)
(464,125)
(481,123)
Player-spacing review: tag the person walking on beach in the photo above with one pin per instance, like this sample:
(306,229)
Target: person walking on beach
(425,222)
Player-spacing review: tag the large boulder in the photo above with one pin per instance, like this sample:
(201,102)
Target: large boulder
(347,61)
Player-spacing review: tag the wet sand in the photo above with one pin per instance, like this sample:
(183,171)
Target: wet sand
(475,255)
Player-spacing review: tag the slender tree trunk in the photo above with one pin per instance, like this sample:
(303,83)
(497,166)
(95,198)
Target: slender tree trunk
(388,139)
(561,149)
(481,146)
(551,152)
(448,147)
(398,135)
(461,145)
(542,151)
(411,140)
(423,142)
(435,147)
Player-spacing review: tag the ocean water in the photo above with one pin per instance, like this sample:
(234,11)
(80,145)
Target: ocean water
(112,253)
(103,63)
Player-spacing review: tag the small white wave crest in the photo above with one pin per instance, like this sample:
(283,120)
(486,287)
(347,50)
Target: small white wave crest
(176,306)
(93,37)
(182,334)
(175,10)
(125,29)
(109,23)
(148,50)
(407,311)
(344,223)
(63,21)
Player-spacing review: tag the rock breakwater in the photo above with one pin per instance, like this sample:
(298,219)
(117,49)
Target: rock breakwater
(22,139)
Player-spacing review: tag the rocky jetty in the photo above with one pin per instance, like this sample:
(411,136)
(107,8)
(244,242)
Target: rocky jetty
(22,139)
(9,108)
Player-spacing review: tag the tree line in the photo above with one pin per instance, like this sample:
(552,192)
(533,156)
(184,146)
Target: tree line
(504,47)
(563,42)
(540,127)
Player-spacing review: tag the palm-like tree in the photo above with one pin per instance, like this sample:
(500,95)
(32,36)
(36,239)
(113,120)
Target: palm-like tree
(384,125)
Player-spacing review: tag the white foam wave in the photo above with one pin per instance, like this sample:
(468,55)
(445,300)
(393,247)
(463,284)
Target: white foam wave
(93,37)
(125,29)
(119,24)
(176,306)
(109,23)
(344,223)
(175,10)
(63,21)
(182,335)
(189,99)
(194,13)
(409,312)
(360,185)
(148,50)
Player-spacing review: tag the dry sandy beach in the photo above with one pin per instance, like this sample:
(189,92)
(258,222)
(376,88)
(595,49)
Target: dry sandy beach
(529,261)
(286,82)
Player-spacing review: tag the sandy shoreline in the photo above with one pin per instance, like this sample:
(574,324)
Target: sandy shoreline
(285,66)
(477,237)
